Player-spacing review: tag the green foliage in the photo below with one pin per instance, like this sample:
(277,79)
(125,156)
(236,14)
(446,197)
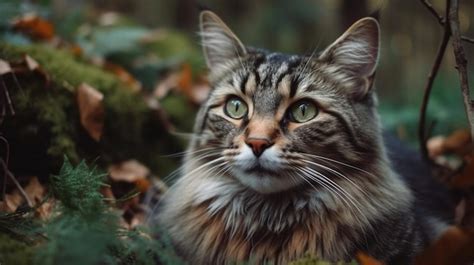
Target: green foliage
(77,189)
(13,251)
(84,229)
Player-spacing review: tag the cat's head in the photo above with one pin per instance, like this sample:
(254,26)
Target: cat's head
(274,121)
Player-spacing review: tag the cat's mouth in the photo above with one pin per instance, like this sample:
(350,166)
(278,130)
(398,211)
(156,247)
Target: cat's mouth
(258,169)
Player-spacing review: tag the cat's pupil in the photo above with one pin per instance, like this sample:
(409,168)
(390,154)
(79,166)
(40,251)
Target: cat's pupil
(236,106)
(303,108)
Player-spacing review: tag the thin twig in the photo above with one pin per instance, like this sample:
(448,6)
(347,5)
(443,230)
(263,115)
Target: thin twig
(467,39)
(461,62)
(17,184)
(7,156)
(441,19)
(433,11)
(429,85)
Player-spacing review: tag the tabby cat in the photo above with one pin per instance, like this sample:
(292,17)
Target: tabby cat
(288,159)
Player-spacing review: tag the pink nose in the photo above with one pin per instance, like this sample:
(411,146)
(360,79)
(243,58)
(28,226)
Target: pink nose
(258,145)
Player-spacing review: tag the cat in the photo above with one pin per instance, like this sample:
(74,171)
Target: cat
(288,159)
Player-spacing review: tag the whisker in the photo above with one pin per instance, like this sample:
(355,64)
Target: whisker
(341,163)
(342,193)
(338,174)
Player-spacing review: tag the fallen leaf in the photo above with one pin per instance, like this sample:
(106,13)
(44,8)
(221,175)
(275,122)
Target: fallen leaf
(435,146)
(365,259)
(124,76)
(458,142)
(12,201)
(128,171)
(91,110)
(31,63)
(34,26)
(465,178)
(5,67)
(196,92)
(453,247)
(35,190)
(163,87)
(142,185)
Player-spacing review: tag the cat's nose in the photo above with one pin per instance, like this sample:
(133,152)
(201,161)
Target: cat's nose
(258,145)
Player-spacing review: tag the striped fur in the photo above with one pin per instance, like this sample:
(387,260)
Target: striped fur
(325,187)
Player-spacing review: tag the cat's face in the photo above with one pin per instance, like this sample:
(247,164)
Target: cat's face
(274,121)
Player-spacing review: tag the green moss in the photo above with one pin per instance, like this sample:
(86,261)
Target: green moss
(48,117)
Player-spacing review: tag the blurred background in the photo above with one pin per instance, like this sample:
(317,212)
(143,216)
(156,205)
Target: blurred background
(153,45)
(410,36)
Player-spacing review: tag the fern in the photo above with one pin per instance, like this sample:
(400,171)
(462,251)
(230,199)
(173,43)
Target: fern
(85,230)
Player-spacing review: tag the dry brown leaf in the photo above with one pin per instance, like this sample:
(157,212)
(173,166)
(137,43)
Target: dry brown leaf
(196,92)
(35,190)
(459,142)
(31,63)
(35,27)
(186,78)
(5,67)
(465,178)
(455,246)
(365,259)
(128,171)
(91,110)
(12,201)
(163,87)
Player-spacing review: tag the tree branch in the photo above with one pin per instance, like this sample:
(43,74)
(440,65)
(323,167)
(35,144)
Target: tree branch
(461,62)
(441,19)
(17,184)
(422,135)
(435,13)
(467,39)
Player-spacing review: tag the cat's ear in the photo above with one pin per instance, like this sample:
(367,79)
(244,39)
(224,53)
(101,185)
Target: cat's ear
(219,43)
(356,52)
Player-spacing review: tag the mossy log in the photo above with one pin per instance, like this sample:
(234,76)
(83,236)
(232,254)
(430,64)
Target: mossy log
(47,126)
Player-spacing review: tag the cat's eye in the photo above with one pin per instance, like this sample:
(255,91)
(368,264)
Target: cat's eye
(235,108)
(303,111)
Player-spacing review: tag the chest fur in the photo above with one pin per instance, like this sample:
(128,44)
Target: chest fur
(274,229)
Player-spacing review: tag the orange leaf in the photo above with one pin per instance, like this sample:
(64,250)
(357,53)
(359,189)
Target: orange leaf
(459,142)
(142,185)
(455,246)
(35,27)
(186,78)
(91,110)
(465,178)
(365,259)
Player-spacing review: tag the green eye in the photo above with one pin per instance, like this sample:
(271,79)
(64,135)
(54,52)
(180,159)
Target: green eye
(303,111)
(235,108)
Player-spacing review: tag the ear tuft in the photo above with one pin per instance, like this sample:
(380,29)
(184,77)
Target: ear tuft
(219,43)
(357,50)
